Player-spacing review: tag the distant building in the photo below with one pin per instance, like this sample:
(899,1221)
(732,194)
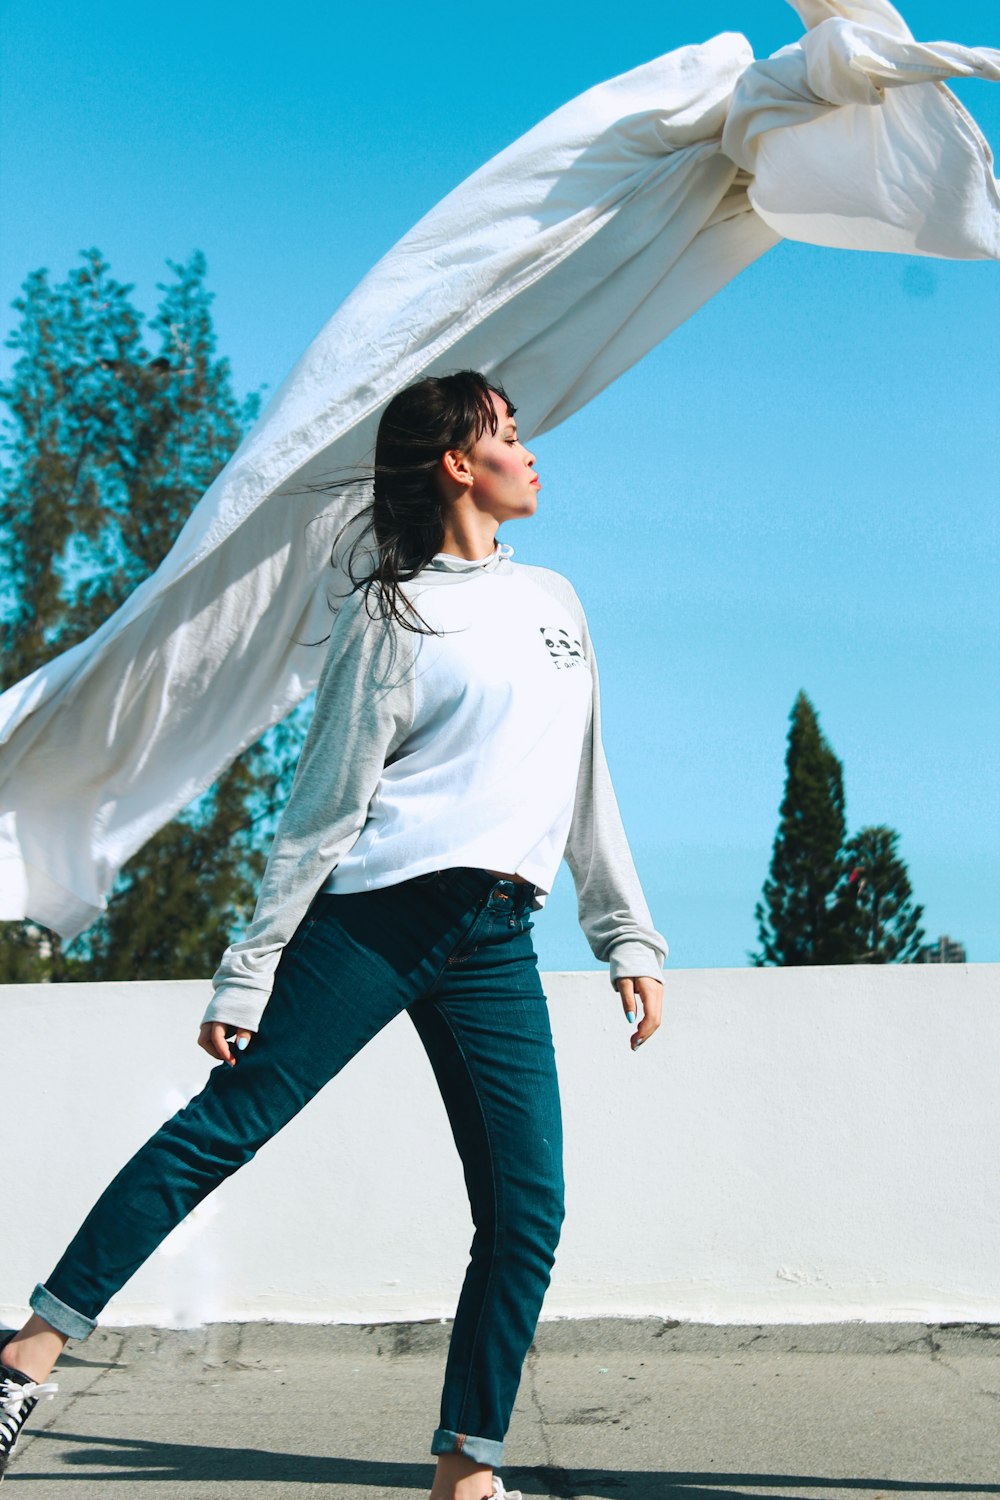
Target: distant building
(944,951)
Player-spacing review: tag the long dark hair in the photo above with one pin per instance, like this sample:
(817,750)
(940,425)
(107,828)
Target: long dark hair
(403,527)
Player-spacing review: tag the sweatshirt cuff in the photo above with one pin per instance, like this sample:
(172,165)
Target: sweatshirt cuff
(633,960)
(236,1006)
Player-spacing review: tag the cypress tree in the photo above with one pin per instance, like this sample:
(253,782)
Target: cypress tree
(877,899)
(800,919)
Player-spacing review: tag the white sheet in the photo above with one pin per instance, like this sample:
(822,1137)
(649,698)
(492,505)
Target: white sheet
(555,267)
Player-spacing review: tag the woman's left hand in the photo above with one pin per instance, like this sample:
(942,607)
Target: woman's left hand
(647,994)
(212,1036)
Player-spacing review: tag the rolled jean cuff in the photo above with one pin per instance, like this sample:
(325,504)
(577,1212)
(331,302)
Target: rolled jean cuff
(480,1450)
(63,1319)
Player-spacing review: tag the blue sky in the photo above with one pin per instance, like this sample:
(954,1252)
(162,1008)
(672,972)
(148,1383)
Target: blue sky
(797,489)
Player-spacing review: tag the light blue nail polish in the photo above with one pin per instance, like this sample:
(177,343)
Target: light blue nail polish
(241,1043)
(630,1017)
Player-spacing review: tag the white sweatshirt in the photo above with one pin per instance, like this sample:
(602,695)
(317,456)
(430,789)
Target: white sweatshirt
(478,745)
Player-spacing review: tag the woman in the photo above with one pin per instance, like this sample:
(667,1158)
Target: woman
(454,756)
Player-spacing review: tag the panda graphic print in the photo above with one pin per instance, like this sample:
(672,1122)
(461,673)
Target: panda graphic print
(565,650)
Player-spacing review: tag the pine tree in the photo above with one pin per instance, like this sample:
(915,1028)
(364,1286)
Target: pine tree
(108,447)
(877,898)
(800,920)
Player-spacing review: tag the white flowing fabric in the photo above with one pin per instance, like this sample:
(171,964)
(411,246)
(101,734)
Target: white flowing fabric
(554,268)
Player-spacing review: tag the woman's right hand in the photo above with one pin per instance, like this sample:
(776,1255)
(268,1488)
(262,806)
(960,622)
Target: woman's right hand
(222,1041)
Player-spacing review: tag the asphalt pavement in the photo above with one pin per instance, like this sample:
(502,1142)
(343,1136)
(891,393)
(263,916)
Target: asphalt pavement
(609,1410)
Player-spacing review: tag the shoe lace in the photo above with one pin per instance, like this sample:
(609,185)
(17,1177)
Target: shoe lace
(12,1393)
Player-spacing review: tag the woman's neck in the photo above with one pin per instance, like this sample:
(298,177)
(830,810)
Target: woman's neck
(470,537)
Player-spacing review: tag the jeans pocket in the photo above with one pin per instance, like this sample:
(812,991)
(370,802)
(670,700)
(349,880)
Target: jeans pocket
(299,936)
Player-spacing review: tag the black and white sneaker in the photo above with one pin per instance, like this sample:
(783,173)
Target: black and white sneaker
(19,1395)
(499,1493)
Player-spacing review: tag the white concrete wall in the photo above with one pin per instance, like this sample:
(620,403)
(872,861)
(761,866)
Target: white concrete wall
(795,1146)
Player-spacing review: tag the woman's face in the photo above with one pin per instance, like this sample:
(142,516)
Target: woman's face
(504,482)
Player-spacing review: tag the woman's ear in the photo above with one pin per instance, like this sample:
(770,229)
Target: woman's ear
(457,467)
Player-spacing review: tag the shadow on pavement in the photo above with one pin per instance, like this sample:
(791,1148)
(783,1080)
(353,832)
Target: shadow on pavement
(192,1464)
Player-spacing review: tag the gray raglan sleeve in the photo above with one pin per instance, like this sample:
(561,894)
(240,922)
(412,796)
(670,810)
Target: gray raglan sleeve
(613,911)
(364,710)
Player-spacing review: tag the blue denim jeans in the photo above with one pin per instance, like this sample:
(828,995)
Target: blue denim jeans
(454,950)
